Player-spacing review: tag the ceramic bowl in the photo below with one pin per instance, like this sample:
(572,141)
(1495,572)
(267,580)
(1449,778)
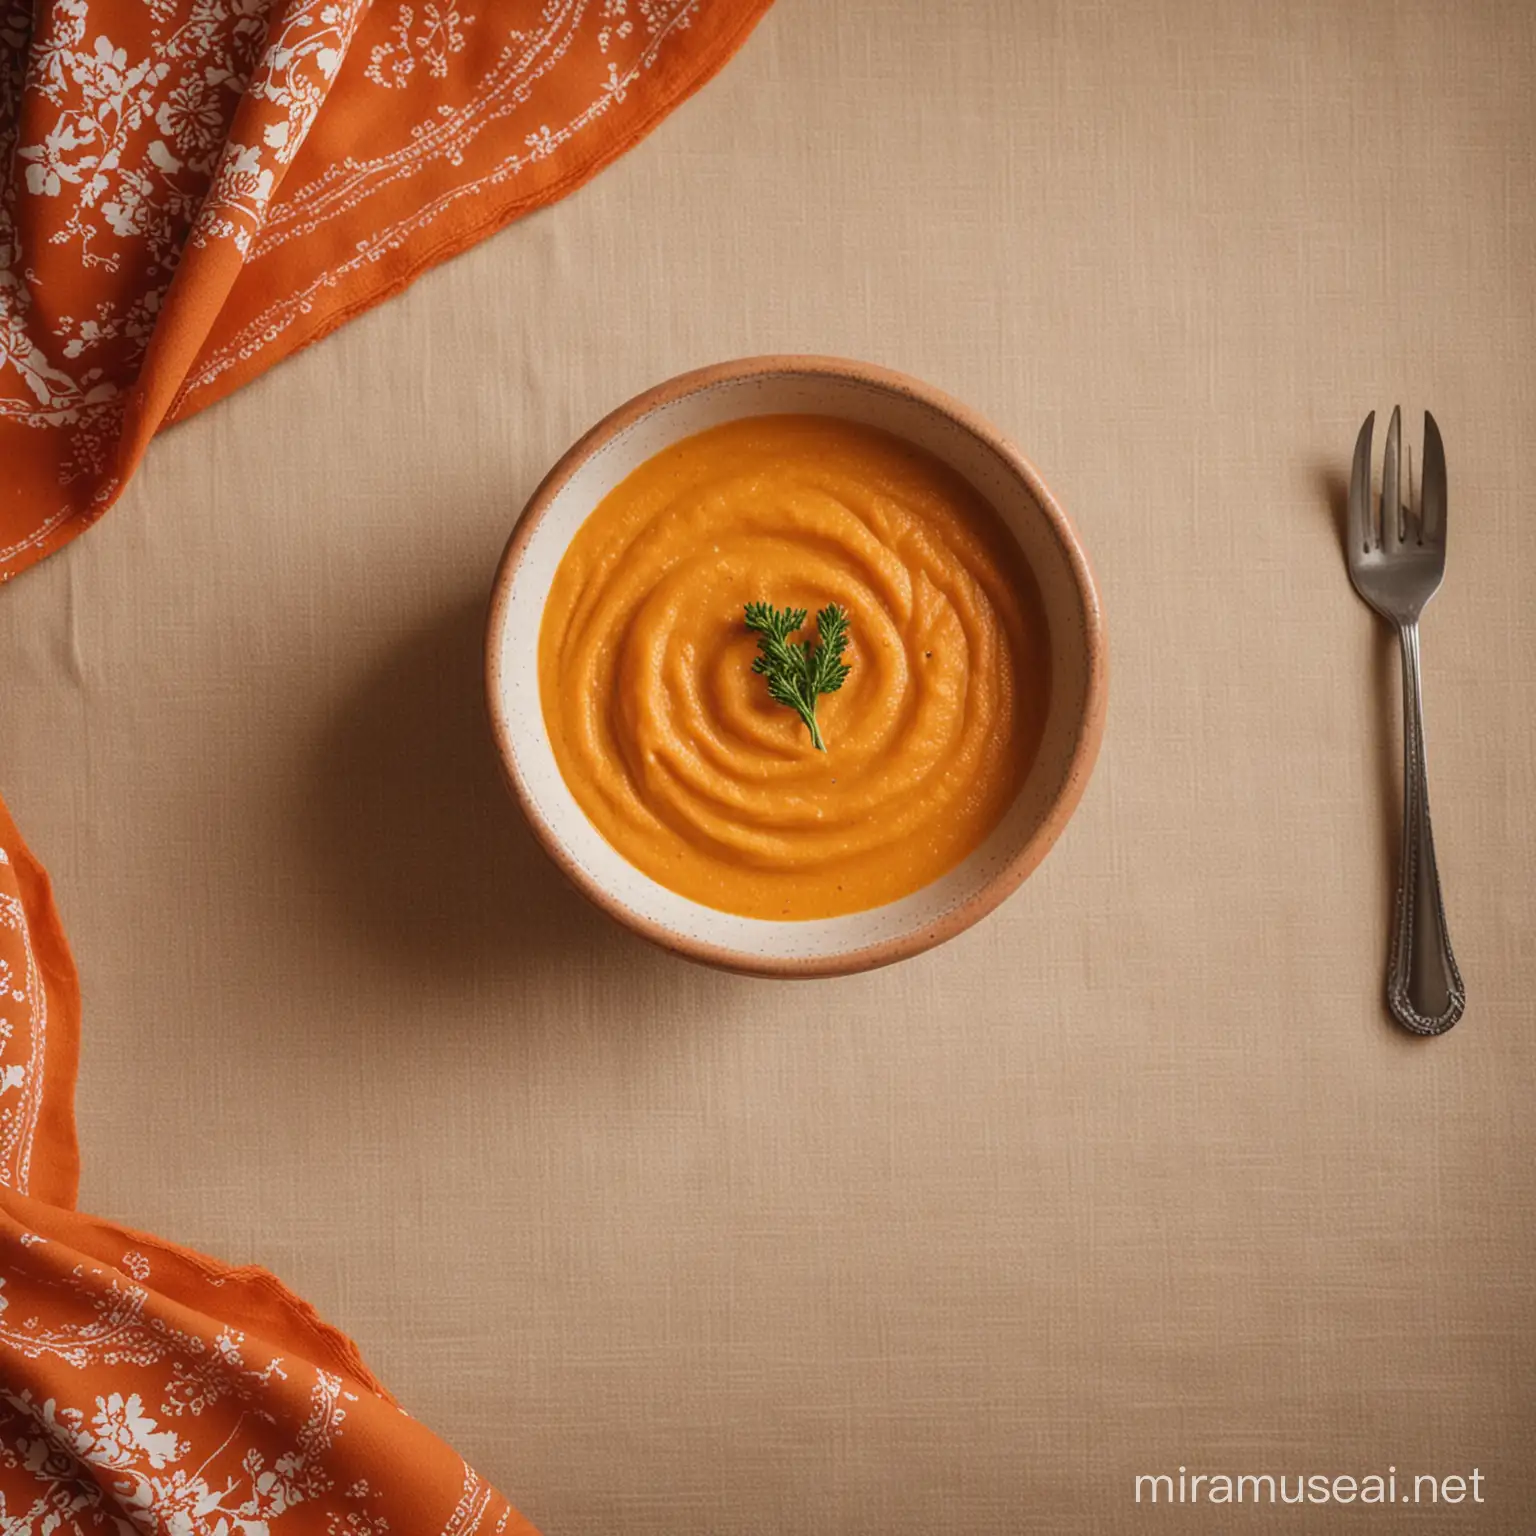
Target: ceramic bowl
(908,409)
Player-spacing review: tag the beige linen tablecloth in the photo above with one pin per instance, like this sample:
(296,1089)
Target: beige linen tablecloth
(1134,1175)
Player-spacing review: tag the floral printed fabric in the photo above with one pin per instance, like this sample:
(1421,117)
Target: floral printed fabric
(192,189)
(145,1389)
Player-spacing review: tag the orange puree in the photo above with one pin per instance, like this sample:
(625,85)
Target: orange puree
(671,744)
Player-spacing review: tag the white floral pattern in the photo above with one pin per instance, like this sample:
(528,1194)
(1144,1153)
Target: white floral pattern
(299,61)
(428,42)
(140,138)
(139,152)
(195,1436)
(124,193)
(23,1039)
(156,1481)
(137,156)
(124,1409)
(508,86)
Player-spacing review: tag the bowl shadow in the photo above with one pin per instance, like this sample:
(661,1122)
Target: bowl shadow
(418,846)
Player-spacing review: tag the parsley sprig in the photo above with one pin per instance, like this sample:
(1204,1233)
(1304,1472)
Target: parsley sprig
(797,671)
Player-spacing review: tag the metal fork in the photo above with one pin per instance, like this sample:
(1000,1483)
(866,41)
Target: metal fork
(1396,563)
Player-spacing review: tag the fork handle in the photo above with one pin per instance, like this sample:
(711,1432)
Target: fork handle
(1424,987)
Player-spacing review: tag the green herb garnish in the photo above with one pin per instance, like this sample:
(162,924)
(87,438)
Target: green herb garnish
(798,671)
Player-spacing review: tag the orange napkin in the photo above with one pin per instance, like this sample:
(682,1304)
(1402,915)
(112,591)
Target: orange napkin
(145,1388)
(197,188)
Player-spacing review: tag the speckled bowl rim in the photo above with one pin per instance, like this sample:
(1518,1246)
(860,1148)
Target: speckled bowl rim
(1062,801)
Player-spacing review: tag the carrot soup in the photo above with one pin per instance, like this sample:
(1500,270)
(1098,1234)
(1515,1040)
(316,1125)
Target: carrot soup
(678,750)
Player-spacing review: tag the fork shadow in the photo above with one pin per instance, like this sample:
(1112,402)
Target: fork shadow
(1386,737)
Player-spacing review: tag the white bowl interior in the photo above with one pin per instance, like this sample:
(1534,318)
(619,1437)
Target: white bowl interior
(873,405)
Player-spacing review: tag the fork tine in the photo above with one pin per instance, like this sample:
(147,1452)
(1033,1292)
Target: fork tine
(1432,518)
(1391,484)
(1360,522)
